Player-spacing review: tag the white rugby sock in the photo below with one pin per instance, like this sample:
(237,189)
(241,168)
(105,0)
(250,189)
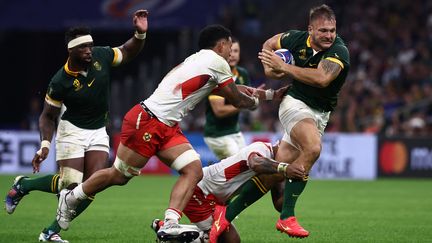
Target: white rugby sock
(78,193)
(172,215)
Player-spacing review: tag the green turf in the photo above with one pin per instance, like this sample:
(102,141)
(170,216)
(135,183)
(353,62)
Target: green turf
(333,211)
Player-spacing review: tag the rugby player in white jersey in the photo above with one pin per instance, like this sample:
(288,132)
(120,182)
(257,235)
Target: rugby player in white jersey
(151,128)
(221,181)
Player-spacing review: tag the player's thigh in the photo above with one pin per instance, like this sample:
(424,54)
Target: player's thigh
(286,152)
(94,160)
(306,136)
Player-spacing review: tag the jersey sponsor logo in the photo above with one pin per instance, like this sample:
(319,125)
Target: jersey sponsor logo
(302,54)
(97,66)
(91,83)
(147,136)
(77,85)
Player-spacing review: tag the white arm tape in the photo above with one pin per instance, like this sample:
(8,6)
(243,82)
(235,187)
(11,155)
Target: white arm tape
(44,144)
(184,159)
(256,100)
(282,167)
(140,36)
(269,94)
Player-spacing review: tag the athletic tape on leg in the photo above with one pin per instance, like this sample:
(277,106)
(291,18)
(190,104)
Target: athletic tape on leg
(68,176)
(184,159)
(125,169)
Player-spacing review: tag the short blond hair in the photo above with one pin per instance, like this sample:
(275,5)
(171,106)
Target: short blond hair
(322,11)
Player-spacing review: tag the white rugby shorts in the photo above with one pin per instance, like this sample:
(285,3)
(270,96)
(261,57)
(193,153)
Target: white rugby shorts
(227,145)
(72,141)
(292,110)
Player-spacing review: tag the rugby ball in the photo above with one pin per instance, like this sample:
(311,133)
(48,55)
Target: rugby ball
(285,55)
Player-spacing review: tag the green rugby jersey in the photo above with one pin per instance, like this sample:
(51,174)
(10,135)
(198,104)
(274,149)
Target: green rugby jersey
(323,99)
(217,127)
(85,95)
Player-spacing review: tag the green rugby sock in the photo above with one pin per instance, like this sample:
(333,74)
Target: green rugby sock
(81,207)
(48,183)
(293,189)
(250,192)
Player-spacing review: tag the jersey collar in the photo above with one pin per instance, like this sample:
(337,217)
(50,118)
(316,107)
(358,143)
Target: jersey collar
(68,71)
(308,44)
(72,73)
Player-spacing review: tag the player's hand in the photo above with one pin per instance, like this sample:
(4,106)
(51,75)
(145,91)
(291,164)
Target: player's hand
(249,91)
(280,93)
(40,156)
(140,21)
(271,60)
(295,171)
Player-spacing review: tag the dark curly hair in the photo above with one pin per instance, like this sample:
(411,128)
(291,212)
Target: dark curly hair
(73,32)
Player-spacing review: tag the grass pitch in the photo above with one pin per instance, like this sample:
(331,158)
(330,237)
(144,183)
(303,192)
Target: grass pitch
(333,211)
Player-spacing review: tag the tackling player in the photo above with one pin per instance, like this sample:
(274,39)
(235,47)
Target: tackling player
(151,128)
(221,180)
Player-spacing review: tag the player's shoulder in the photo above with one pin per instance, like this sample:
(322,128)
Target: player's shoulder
(101,51)
(339,50)
(293,38)
(259,145)
(294,34)
(214,61)
(61,76)
(339,44)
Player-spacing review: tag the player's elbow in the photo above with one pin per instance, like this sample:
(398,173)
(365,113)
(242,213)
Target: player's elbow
(322,81)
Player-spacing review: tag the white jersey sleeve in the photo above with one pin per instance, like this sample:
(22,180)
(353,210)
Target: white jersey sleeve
(224,178)
(187,84)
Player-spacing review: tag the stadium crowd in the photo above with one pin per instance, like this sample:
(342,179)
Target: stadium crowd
(389,87)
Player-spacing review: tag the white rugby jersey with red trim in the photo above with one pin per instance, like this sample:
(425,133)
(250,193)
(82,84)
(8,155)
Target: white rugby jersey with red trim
(187,84)
(224,178)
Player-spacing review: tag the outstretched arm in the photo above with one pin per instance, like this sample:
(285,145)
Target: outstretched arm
(134,45)
(237,98)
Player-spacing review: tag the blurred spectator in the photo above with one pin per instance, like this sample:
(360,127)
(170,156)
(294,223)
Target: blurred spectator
(31,120)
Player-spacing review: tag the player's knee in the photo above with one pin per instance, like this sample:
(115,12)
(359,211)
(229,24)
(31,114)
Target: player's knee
(69,176)
(122,172)
(314,151)
(188,163)
(193,171)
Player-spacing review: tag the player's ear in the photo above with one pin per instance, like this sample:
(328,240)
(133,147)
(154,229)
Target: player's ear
(218,48)
(310,29)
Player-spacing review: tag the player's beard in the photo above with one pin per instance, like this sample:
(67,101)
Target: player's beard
(84,63)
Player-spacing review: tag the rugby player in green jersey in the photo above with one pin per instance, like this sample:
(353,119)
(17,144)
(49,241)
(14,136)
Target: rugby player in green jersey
(82,143)
(222,130)
(321,67)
